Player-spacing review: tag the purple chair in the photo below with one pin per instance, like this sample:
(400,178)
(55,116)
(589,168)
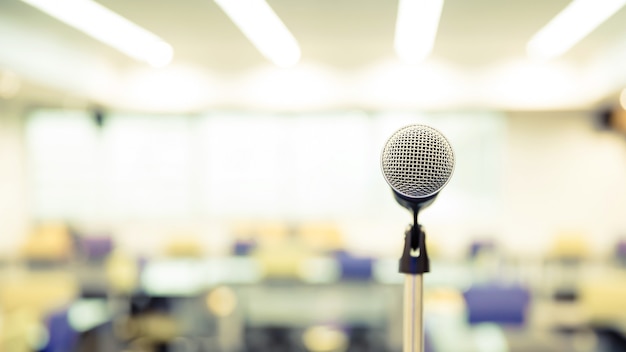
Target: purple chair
(497,303)
(62,337)
(620,252)
(95,248)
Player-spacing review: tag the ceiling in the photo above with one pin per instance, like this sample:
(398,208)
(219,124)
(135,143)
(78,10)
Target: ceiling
(349,41)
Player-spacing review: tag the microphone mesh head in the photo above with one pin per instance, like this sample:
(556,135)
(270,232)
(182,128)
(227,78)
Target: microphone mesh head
(417,161)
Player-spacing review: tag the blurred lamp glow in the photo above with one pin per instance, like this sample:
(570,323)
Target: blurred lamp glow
(110,28)
(86,314)
(416,28)
(570,26)
(260,24)
(221,301)
(324,339)
(622,99)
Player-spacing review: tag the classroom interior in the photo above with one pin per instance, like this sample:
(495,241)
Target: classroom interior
(205,175)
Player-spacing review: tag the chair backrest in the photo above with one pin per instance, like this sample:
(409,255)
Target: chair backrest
(62,337)
(354,268)
(497,303)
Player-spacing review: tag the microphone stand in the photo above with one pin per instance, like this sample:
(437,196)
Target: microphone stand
(414,263)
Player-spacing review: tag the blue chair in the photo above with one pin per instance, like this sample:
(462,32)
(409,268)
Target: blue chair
(497,303)
(354,268)
(62,337)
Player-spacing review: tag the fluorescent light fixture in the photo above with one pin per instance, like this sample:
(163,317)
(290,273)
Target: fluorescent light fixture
(260,24)
(416,28)
(570,26)
(110,28)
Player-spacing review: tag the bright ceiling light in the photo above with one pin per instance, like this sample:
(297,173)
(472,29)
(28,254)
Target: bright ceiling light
(110,28)
(260,24)
(416,28)
(570,26)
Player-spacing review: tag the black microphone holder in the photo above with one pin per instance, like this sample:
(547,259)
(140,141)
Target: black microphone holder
(414,263)
(414,258)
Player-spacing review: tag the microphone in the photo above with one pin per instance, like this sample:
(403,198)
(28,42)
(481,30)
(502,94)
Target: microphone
(417,162)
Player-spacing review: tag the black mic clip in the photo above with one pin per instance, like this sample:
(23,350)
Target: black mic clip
(414,258)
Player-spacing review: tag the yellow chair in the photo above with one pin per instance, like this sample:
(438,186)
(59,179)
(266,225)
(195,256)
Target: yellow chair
(49,242)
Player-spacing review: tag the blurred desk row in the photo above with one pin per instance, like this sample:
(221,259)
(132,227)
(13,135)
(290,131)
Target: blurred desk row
(323,304)
(81,293)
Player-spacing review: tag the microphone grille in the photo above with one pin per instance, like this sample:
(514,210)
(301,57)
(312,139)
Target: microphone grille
(417,161)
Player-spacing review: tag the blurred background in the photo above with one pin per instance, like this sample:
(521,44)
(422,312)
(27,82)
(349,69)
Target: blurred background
(203,175)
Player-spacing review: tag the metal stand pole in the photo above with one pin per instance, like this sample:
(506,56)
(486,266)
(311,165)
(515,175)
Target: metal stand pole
(414,263)
(413,335)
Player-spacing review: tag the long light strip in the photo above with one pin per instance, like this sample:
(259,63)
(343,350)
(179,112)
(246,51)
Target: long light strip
(260,24)
(110,28)
(570,26)
(416,28)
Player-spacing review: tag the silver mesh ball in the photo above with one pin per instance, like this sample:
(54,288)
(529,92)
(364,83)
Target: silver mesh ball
(417,161)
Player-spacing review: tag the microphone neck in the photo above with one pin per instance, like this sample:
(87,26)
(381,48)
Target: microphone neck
(414,204)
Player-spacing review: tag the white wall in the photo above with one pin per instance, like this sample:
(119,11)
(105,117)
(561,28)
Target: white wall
(13,198)
(562,174)
(554,172)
